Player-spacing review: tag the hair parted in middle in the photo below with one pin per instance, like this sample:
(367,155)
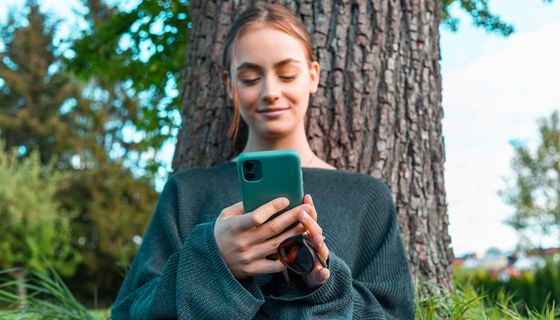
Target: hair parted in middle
(270,15)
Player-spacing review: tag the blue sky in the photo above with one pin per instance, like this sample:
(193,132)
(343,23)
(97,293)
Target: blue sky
(494,90)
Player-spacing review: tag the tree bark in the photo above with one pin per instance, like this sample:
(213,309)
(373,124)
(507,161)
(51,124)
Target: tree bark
(378,109)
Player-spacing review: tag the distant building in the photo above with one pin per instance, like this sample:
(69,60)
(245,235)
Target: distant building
(503,265)
(544,252)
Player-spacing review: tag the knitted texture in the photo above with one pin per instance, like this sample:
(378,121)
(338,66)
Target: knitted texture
(178,272)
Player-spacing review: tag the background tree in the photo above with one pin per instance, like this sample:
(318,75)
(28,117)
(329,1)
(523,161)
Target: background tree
(81,126)
(534,191)
(35,228)
(142,52)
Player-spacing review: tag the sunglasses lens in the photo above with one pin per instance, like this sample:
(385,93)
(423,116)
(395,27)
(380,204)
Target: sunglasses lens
(296,255)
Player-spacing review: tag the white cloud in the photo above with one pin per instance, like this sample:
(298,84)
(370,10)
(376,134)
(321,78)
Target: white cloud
(496,98)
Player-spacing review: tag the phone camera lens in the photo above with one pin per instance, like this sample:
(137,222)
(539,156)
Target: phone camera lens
(250,175)
(248,165)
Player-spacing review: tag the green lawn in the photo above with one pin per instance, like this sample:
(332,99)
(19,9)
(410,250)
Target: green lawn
(99,314)
(96,314)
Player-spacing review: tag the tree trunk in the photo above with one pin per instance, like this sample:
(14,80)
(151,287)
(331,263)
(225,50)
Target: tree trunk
(378,109)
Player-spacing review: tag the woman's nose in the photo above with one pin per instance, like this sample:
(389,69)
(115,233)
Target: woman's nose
(270,90)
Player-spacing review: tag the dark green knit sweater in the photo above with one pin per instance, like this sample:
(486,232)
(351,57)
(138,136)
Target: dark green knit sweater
(178,272)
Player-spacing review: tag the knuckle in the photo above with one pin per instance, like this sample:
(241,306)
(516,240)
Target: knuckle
(242,245)
(258,219)
(276,228)
(244,258)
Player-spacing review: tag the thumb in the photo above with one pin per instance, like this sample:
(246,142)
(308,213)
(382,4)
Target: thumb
(231,211)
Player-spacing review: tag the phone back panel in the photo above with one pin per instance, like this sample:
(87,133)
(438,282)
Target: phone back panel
(281,177)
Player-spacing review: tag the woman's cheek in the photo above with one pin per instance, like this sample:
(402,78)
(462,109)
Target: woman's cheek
(248,97)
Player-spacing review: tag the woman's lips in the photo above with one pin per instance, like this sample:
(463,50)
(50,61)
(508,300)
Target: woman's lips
(272,112)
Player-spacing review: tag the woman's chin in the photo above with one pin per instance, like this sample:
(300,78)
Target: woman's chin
(274,131)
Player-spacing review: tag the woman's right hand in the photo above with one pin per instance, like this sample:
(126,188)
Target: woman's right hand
(244,239)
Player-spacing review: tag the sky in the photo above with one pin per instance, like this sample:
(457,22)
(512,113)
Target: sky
(494,90)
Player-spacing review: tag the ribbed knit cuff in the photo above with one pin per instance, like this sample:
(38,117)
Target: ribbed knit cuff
(338,286)
(213,292)
(246,293)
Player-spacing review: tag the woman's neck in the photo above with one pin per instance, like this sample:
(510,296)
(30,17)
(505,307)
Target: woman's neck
(297,142)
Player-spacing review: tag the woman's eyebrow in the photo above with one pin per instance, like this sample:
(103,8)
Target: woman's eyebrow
(249,65)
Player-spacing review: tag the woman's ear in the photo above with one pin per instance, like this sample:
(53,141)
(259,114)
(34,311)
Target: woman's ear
(227,84)
(314,72)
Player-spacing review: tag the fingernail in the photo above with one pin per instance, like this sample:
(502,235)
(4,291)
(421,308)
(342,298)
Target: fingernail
(310,199)
(325,273)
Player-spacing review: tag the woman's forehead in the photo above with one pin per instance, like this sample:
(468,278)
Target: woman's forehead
(266,46)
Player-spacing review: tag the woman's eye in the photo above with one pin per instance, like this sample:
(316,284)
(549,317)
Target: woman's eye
(249,81)
(286,77)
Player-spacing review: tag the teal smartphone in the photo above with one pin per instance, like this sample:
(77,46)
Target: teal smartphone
(267,175)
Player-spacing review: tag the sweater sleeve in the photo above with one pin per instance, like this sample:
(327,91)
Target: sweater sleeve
(182,279)
(379,288)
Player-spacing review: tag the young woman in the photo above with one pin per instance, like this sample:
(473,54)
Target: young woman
(203,257)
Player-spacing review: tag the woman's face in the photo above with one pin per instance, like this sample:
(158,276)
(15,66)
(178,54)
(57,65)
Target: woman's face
(274,80)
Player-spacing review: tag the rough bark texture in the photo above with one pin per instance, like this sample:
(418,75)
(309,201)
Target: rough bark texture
(378,109)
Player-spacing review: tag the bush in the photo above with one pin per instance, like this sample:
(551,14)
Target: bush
(35,229)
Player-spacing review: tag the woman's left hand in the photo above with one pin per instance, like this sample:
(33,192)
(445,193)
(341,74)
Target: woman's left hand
(318,275)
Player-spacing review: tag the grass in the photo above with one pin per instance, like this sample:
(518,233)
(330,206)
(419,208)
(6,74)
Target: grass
(466,302)
(49,298)
(95,314)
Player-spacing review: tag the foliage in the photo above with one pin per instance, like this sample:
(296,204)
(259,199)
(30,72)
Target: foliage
(80,129)
(532,291)
(480,14)
(33,223)
(115,207)
(535,192)
(142,51)
(31,95)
